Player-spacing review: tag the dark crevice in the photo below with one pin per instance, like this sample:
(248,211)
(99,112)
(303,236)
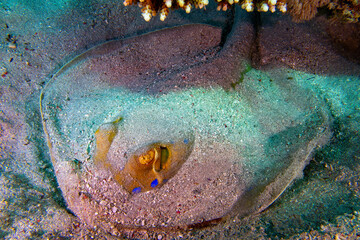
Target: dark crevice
(255,55)
(227,27)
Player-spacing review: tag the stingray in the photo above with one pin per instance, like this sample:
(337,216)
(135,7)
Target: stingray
(144,133)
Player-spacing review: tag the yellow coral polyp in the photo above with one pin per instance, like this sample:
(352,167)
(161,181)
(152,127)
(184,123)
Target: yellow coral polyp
(282,7)
(272,2)
(163,13)
(168,3)
(204,2)
(263,7)
(188,8)
(248,5)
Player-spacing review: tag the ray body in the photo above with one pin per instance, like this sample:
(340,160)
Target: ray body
(162,138)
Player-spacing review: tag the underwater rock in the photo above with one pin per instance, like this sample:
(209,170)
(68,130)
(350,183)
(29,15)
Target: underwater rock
(134,150)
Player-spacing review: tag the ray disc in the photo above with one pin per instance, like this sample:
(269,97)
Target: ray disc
(133,146)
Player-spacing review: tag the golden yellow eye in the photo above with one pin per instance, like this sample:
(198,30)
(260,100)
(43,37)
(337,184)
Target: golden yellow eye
(147,158)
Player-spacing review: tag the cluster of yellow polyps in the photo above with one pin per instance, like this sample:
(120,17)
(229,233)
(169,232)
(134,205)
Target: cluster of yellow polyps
(250,5)
(348,10)
(151,7)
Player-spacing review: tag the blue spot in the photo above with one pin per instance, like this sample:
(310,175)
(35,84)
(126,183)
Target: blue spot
(186,141)
(154,183)
(136,190)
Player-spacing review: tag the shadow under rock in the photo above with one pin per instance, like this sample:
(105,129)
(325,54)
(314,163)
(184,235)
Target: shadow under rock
(306,46)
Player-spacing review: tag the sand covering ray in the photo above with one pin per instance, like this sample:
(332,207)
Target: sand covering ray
(237,149)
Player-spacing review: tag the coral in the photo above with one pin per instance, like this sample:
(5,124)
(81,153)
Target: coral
(305,9)
(348,10)
(152,7)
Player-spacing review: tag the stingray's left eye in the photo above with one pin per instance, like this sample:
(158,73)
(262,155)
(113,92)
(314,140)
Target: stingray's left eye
(147,158)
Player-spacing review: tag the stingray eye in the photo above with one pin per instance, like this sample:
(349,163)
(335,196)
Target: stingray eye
(147,158)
